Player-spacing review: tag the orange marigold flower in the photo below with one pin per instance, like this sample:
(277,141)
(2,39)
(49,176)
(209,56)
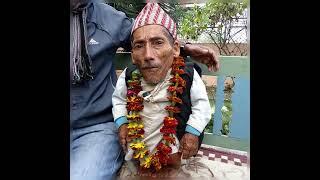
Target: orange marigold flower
(134,107)
(164,148)
(177,89)
(175,99)
(170,122)
(156,163)
(163,158)
(169,139)
(135,136)
(132,99)
(178,62)
(133,83)
(172,109)
(176,70)
(167,118)
(179,80)
(167,130)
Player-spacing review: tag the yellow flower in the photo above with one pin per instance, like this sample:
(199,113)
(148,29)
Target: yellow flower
(132,116)
(147,162)
(132,125)
(140,126)
(138,145)
(140,154)
(135,125)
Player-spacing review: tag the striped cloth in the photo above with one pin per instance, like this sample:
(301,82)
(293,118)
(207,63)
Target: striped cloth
(152,13)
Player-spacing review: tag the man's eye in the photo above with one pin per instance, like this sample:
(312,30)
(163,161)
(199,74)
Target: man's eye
(159,42)
(138,46)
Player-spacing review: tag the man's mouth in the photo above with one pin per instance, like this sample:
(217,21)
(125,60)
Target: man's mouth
(149,68)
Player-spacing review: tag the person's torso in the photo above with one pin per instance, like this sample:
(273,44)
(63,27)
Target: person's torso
(154,111)
(91,101)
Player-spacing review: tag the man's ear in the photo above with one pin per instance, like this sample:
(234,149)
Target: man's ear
(132,59)
(176,48)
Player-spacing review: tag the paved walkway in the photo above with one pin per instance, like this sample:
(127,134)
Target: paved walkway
(226,164)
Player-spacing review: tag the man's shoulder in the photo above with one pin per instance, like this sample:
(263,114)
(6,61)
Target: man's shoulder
(105,8)
(104,11)
(103,15)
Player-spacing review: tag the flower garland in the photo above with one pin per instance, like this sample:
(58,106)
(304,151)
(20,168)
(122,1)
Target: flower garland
(160,156)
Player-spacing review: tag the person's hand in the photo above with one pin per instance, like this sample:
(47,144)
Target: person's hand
(123,133)
(203,55)
(189,145)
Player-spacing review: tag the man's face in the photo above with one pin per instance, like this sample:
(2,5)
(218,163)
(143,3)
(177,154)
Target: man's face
(153,52)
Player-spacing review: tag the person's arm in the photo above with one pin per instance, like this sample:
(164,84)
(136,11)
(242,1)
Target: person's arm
(119,110)
(125,34)
(119,101)
(201,110)
(200,117)
(202,54)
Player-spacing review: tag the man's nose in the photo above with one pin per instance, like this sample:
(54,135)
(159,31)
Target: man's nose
(149,54)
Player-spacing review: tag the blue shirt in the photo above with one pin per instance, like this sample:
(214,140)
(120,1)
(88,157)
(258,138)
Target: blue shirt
(108,29)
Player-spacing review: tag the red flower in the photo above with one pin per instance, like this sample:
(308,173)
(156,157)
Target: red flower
(155,162)
(164,148)
(134,107)
(167,130)
(170,122)
(132,99)
(170,118)
(172,109)
(176,70)
(175,99)
(178,62)
(169,139)
(179,80)
(163,158)
(177,89)
(133,91)
(133,83)
(141,131)
(136,89)
(135,136)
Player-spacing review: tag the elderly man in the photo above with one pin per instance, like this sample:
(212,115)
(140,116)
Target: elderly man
(160,106)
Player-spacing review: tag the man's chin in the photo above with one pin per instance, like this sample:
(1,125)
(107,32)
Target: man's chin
(152,81)
(152,78)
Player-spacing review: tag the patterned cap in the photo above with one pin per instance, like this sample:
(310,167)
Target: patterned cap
(152,13)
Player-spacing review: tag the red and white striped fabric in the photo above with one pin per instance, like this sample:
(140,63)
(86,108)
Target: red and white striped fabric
(152,13)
